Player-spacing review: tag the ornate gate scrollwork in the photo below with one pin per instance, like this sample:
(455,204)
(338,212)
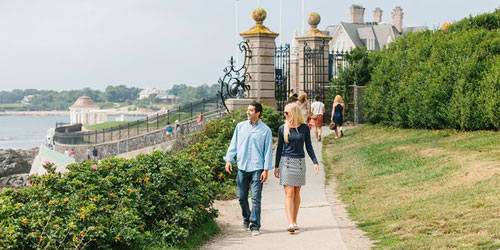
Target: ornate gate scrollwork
(234,83)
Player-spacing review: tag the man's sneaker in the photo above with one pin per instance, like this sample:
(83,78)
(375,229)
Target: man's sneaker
(244,227)
(255,232)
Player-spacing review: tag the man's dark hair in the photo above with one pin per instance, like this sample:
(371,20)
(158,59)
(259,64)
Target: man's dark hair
(257,106)
(317,97)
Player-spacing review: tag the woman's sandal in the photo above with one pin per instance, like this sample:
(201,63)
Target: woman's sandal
(296,227)
(290,228)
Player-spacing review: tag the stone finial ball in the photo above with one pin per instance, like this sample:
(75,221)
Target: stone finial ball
(259,15)
(445,26)
(313,19)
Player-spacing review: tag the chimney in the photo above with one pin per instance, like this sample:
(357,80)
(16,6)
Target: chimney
(357,13)
(377,15)
(397,18)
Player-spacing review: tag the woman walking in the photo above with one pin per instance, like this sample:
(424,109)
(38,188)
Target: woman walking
(317,111)
(290,162)
(304,106)
(338,115)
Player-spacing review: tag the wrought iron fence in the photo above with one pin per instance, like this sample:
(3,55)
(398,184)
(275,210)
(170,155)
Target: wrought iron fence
(281,75)
(336,62)
(316,81)
(73,135)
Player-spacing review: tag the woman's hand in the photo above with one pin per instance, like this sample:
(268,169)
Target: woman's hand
(277,172)
(316,169)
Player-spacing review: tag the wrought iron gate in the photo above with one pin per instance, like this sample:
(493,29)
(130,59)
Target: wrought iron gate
(316,77)
(281,75)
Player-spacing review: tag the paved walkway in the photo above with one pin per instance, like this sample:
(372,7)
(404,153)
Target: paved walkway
(319,228)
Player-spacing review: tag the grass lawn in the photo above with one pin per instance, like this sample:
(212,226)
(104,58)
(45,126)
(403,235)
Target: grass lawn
(420,189)
(161,123)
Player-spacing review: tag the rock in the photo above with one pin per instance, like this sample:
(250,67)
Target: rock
(28,154)
(15,181)
(12,163)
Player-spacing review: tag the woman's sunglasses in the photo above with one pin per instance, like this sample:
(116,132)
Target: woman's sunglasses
(286,113)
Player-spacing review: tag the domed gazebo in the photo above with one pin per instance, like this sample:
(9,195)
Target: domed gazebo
(86,112)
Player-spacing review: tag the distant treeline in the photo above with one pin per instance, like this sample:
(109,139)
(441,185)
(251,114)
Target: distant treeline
(43,100)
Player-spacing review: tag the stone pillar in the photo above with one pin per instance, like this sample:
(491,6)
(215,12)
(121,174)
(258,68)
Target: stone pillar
(294,64)
(314,39)
(261,42)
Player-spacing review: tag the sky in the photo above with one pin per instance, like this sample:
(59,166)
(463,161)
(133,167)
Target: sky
(74,44)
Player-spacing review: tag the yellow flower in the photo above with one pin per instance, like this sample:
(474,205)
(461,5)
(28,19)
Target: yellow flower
(130,190)
(147,179)
(81,233)
(51,202)
(111,195)
(139,179)
(202,207)
(197,180)
(25,221)
(117,237)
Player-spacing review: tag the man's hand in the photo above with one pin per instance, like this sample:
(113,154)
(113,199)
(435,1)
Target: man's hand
(277,172)
(316,169)
(229,167)
(263,176)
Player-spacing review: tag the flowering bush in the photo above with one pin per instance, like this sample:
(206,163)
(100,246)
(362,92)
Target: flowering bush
(118,203)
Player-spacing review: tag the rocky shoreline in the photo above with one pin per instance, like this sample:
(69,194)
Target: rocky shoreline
(15,166)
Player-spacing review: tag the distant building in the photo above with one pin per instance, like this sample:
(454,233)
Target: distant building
(86,112)
(27,99)
(372,35)
(161,95)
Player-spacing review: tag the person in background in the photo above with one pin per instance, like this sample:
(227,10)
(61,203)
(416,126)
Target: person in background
(290,166)
(200,118)
(317,111)
(338,110)
(304,106)
(66,152)
(94,153)
(72,154)
(291,93)
(88,153)
(177,128)
(252,143)
(168,130)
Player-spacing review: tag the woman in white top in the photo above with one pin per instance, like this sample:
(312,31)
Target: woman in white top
(304,105)
(317,110)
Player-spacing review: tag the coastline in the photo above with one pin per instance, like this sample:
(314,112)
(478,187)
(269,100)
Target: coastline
(67,113)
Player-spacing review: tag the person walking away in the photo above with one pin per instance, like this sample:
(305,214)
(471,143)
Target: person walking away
(252,144)
(66,152)
(72,154)
(317,111)
(88,153)
(290,165)
(94,153)
(304,106)
(291,93)
(168,131)
(338,110)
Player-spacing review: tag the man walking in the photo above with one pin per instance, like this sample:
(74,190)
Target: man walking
(252,144)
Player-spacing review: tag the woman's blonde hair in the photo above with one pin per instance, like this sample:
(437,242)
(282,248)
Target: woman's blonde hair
(338,99)
(296,119)
(302,97)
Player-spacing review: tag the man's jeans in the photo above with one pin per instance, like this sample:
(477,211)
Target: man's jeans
(244,181)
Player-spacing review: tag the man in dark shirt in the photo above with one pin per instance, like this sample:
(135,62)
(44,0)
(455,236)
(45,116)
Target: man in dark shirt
(94,153)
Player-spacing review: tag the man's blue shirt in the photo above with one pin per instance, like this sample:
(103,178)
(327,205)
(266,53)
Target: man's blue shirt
(253,145)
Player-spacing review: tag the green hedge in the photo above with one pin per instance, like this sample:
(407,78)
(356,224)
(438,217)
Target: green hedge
(123,204)
(439,79)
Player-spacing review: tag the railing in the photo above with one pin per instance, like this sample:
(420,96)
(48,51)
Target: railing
(70,135)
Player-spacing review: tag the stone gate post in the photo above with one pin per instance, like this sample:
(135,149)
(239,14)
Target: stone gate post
(314,39)
(262,45)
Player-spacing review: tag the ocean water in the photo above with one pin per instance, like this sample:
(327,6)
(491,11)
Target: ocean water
(22,132)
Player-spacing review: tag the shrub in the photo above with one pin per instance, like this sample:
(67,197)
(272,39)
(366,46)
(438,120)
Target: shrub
(439,79)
